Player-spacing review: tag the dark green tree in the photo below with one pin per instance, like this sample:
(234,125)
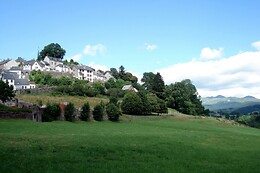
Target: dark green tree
(132,104)
(85,112)
(69,112)
(51,113)
(114,73)
(6,91)
(98,112)
(113,112)
(183,96)
(52,50)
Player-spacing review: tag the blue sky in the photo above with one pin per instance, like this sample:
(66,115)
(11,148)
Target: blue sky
(142,36)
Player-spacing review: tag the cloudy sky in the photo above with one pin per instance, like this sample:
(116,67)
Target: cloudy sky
(215,43)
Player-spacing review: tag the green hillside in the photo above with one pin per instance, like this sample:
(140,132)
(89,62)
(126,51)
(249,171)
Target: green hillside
(155,145)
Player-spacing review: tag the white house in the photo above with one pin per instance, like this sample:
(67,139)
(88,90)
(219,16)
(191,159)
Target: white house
(98,76)
(7,64)
(62,68)
(53,62)
(9,77)
(108,76)
(37,65)
(17,70)
(83,72)
(28,65)
(129,88)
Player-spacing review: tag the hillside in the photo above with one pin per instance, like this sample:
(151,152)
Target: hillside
(229,104)
(158,145)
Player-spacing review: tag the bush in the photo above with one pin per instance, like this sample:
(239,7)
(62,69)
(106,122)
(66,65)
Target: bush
(85,112)
(51,113)
(69,112)
(98,112)
(132,104)
(113,112)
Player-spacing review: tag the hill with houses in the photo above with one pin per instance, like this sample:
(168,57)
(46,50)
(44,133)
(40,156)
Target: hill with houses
(16,72)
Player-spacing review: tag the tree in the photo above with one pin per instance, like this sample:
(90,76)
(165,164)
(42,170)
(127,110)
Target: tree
(121,71)
(51,113)
(154,83)
(6,91)
(114,73)
(183,96)
(85,112)
(132,104)
(98,112)
(69,112)
(113,112)
(52,50)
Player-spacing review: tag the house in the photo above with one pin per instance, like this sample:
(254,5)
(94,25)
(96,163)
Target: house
(21,84)
(53,62)
(28,65)
(98,76)
(7,64)
(62,68)
(9,77)
(37,65)
(17,70)
(129,88)
(108,76)
(83,72)
(20,61)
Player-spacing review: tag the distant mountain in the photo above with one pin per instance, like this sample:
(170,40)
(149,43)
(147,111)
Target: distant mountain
(229,104)
(247,110)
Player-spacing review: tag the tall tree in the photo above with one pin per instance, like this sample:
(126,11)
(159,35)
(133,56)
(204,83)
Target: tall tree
(52,50)
(114,73)
(6,91)
(121,72)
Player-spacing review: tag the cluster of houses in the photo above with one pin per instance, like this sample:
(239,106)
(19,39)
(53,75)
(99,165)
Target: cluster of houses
(16,72)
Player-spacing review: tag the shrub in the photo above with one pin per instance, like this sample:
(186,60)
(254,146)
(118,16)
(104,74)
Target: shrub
(85,112)
(51,113)
(69,112)
(98,112)
(132,104)
(113,112)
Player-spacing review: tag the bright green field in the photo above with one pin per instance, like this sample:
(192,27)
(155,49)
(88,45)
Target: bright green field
(166,145)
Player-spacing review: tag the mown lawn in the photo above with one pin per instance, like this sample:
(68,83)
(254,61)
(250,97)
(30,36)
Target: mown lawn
(159,145)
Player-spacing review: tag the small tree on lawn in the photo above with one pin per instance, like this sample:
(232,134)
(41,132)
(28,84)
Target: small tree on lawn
(6,91)
(113,112)
(98,112)
(85,112)
(51,113)
(69,112)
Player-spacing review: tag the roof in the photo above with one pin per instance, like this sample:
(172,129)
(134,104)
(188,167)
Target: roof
(19,59)
(31,62)
(21,82)
(130,88)
(4,61)
(54,59)
(84,67)
(16,68)
(10,75)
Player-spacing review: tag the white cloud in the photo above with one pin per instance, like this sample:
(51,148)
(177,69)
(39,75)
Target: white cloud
(256,45)
(93,50)
(151,47)
(233,76)
(76,57)
(98,66)
(207,53)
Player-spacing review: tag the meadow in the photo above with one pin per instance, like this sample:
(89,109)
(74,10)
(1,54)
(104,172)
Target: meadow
(164,144)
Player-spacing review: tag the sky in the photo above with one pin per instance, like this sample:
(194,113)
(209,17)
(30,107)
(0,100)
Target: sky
(215,43)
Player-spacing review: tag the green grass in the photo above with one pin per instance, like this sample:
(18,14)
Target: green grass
(156,145)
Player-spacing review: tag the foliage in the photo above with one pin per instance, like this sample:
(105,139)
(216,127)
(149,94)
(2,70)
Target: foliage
(98,112)
(85,112)
(70,63)
(113,112)
(250,120)
(183,96)
(4,108)
(69,112)
(153,83)
(157,105)
(6,91)
(132,104)
(52,50)
(51,113)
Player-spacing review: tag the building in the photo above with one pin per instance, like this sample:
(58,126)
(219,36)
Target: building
(129,88)
(53,62)
(7,64)
(83,72)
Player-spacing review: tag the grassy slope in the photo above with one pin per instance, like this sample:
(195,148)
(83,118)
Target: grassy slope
(166,145)
(45,98)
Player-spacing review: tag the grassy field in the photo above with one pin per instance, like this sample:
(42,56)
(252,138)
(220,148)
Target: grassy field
(78,101)
(158,145)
